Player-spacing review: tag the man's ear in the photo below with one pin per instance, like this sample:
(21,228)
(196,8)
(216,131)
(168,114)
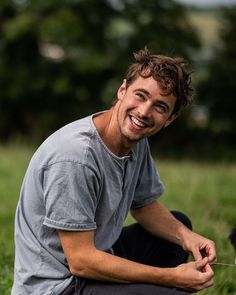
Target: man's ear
(171,119)
(121,91)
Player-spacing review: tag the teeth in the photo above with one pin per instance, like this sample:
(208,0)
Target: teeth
(137,122)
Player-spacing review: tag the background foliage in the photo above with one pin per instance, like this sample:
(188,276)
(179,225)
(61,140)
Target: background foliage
(61,60)
(218,90)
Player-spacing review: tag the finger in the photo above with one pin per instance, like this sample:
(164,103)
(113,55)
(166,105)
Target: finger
(209,269)
(209,277)
(208,284)
(201,263)
(212,257)
(210,251)
(211,254)
(197,254)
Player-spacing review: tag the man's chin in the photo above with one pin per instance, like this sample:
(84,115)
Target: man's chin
(135,138)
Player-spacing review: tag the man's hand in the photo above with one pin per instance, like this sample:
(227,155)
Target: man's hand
(156,219)
(193,276)
(199,246)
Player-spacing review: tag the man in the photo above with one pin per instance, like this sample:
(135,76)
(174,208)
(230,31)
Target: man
(81,184)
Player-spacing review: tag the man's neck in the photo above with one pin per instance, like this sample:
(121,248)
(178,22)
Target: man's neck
(107,127)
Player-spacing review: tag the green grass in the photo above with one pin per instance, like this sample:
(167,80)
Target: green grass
(14,161)
(204,191)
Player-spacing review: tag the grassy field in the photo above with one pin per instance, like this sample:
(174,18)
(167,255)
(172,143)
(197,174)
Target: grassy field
(204,191)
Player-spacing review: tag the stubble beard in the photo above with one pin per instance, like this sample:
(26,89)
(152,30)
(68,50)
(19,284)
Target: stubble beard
(129,138)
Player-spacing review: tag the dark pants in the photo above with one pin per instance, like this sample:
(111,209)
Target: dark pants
(138,245)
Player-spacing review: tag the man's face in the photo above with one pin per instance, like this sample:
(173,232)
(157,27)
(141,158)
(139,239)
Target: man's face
(143,109)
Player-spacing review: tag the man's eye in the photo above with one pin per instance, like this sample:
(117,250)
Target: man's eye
(140,95)
(161,109)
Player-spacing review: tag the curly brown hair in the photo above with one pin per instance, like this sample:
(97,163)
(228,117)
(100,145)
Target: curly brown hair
(170,73)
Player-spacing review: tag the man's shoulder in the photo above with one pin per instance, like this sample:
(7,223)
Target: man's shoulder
(70,143)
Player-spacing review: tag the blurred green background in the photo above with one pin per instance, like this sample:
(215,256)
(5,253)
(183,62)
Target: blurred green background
(61,60)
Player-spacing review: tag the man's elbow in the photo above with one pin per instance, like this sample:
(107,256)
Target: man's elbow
(137,212)
(79,266)
(86,264)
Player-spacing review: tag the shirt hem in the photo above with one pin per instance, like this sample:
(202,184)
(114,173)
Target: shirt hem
(68,226)
(146,202)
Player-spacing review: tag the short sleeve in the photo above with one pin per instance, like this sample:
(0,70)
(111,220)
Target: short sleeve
(70,195)
(149,185)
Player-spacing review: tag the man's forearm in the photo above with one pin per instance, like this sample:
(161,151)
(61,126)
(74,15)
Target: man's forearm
(156,219)
(100,265)
(85,260)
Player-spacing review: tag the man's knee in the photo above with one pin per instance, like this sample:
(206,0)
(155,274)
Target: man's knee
(182,218)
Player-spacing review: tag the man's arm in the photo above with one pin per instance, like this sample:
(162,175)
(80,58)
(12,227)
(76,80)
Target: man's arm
(156,219)
(86,261)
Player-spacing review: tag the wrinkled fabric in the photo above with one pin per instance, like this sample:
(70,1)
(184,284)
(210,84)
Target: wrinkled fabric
(75,183)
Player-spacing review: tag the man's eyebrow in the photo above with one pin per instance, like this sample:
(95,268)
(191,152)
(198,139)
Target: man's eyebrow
(144,91)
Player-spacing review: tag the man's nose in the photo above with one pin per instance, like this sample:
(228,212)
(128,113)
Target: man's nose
(144,109)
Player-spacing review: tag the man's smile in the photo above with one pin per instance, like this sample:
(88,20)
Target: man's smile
(137,123)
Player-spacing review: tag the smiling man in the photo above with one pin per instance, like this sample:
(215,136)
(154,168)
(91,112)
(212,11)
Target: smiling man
(82,182)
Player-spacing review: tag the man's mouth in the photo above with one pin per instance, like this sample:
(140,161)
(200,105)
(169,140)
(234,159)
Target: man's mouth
(138,123)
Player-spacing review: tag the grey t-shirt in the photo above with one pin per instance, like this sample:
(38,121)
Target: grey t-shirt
(75,183)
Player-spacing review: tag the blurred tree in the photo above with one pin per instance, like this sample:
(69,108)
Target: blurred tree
(218,91)
(61,60)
